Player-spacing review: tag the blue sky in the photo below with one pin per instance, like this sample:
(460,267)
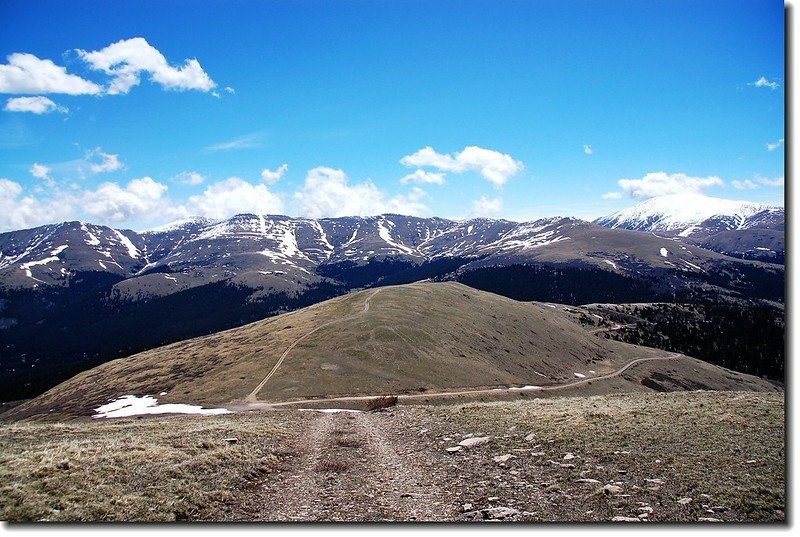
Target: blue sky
(137,113)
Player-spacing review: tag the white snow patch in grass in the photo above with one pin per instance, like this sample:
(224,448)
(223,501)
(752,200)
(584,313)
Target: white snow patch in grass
(527,388)
(132,405)
(580,375)
(610,263)
(663,252)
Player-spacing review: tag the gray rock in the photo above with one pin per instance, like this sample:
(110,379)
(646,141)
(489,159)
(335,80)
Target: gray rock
(612,489)
(475,441)
(625,519)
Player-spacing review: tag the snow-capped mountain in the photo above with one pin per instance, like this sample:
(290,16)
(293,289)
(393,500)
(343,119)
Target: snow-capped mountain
(694,216)
(283,253)
(736,228)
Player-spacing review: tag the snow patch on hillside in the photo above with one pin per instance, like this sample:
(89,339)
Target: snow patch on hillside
(132,405)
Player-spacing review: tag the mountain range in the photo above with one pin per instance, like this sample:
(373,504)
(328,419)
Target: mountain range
(75,294)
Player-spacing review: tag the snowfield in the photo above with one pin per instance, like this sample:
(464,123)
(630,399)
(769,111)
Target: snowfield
(132,405)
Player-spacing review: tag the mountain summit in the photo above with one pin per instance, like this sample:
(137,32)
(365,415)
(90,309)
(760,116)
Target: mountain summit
(736,228)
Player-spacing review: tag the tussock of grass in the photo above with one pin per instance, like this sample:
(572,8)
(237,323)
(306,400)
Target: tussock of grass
(333,465)
(131,470)
(349,442)
(379,403)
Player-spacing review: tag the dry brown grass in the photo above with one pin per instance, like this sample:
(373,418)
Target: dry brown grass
(722,449)
(134,470)
(379,403)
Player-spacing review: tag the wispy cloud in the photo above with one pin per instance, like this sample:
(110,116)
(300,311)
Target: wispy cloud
(775,145)
(757,182)
(486,206)
(661,184)
(612,196)
(764,82)
(188,178)
(588,149)
(247,141)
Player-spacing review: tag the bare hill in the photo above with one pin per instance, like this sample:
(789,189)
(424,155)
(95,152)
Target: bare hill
(419,339)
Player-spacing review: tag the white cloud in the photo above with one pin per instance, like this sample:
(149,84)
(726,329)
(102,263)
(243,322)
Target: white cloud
(757,182)
(229,90)
(34,105)
(127,59)
(778,181)
(747,184)
(423,177)
(612,196)
(108,162)
(270,177)
(587,149)
(234,196)
(22,212)
(40,171)
(662,184)
(775,145)
(326,193)
(111,203)
(763,82)
(27,74)
(486,206)
(189,178)
(494,166)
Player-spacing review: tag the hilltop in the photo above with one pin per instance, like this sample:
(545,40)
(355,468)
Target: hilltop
(414,340)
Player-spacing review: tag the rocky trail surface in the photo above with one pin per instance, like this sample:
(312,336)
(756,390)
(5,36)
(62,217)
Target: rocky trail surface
(593,459)
(348,466)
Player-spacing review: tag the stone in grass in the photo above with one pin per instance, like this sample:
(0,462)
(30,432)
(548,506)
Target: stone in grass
(569,456)
(503,458)
(685,501)
(708,519)
(625,519)
(612,489)
(588,480)
(475,441)
(453,449)
(491,513)
(230,440)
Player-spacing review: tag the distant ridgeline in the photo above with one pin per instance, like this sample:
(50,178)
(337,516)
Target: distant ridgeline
(74,295)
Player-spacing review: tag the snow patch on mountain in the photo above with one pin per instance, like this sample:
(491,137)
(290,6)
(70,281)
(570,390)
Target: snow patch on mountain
(133,252)
(685,214)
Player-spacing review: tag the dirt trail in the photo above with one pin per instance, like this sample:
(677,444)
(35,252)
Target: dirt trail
(251,397)
(254,405)
(346,467)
